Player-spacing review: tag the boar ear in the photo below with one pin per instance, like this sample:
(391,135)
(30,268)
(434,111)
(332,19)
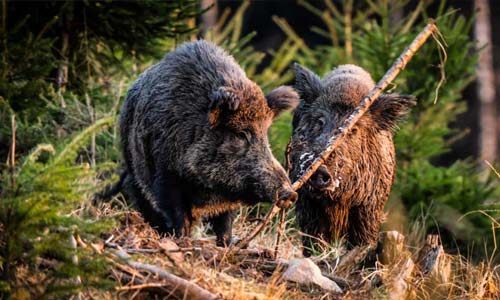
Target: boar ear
(222,101)
(307,83)
(388,109)
(282,99)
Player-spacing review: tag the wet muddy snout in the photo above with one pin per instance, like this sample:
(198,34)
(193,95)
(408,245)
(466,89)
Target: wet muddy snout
(286,197)
(322,179)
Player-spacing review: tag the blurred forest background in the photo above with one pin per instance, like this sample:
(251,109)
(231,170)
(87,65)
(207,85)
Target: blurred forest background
(65,68)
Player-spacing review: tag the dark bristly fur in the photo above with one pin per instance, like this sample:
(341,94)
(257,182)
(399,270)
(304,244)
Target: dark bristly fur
(194,138)
(346,196)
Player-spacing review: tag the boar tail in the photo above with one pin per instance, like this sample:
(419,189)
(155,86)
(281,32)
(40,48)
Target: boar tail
(112,190)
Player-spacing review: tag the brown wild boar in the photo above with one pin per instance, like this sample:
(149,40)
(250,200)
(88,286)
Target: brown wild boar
(346,196)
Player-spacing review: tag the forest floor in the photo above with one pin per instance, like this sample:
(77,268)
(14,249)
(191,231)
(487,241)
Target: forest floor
(144,263)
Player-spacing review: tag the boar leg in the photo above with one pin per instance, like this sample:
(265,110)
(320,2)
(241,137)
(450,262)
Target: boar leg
(171,203)
(364,223)
(314,224)
(135,196)
(223,227)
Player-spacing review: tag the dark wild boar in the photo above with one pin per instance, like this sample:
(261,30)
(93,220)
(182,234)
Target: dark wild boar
(346,196)
(194,137)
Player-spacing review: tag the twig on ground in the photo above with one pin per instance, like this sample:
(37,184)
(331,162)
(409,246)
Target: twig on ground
(147,251)
(141,286)
(349,122)
(181,287)
(186,249)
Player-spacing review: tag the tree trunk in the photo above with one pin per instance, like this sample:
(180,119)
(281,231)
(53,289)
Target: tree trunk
(209,18)
(485,83)
(62,72)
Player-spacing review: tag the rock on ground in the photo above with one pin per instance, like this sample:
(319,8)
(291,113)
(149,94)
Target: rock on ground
(305,272)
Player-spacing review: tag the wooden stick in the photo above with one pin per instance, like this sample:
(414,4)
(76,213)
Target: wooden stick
(281,227)
(349,123)
(365,104)
(136,283)
(141,286)
(180,286)
(148,250)
(274,210)
(270,214)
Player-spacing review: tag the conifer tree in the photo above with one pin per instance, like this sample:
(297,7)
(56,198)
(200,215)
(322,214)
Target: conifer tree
(39,223)
(71,47)
(63,134)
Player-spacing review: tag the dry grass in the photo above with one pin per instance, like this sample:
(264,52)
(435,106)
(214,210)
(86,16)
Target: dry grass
(250,277)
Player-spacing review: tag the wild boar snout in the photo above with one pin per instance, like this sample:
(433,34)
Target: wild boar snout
(322,179)
(286,196)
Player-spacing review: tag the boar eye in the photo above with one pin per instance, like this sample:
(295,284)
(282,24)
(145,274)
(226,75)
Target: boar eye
(318,125)
(244,136)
